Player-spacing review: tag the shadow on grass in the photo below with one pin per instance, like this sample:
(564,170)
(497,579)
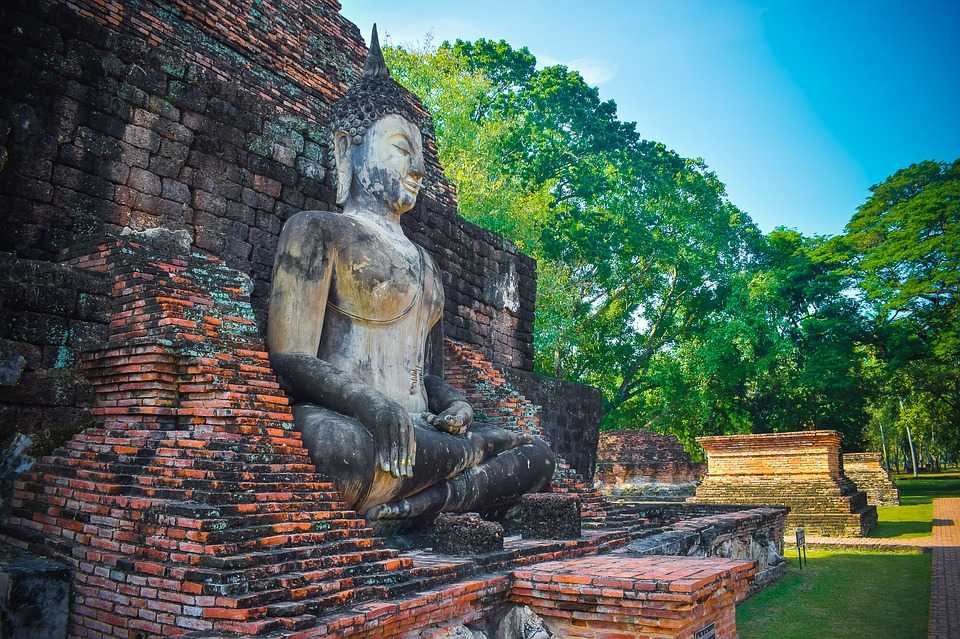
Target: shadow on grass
(901,529)
(854,595)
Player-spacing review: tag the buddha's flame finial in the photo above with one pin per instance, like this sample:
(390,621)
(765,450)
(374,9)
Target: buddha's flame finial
(375,67)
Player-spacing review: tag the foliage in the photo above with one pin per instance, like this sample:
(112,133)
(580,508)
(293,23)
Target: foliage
(901,250)
(655,288)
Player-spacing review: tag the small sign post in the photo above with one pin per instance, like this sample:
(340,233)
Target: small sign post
(801,547)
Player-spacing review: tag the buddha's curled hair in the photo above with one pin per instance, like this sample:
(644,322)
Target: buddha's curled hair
(374,96)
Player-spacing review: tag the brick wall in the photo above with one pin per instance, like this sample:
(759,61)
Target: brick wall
(627,458)
(49,314)
(570,415)
(211,118)
(867,472)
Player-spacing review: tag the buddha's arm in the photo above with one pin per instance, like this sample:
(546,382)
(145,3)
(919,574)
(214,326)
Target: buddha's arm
(301,282)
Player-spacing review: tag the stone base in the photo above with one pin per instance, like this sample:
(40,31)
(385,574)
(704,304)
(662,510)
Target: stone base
(550,516)
(842,514)
(661,597)
(466,535)
(867,472)
(34,596)
(801,470)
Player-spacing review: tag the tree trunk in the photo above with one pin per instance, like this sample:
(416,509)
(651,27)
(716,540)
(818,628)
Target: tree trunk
(883,446)
(913,454)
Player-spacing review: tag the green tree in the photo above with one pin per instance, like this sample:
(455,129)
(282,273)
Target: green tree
(902,250)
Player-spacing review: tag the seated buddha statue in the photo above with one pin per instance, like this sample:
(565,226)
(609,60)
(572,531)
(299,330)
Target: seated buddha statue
(352,303)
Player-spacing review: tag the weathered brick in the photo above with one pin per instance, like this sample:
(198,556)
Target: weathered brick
(144,181)
(141,138)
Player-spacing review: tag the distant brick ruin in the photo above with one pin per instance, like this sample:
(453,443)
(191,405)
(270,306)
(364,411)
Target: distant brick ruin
(867,472)
(639,462)
(802,470)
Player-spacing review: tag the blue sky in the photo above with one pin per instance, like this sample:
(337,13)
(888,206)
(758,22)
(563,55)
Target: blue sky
(798,106)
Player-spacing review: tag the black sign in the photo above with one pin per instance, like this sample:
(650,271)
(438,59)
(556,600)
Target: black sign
(801,547)
(707,632)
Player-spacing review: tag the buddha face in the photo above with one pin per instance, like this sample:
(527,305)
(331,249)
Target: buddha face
(386,166)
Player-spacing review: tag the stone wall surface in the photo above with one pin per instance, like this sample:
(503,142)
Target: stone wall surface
(802,470)
(570,415)
(34,596)
(210,117)
(49,314)
(867,472)
(640,461)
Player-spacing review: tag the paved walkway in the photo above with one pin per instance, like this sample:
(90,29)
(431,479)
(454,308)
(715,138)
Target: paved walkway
(945,589)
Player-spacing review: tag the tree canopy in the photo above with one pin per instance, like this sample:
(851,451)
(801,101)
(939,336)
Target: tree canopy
(658,290)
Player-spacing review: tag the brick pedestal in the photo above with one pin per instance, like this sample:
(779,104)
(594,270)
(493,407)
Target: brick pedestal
(621,598)
(801,470)
(867,472)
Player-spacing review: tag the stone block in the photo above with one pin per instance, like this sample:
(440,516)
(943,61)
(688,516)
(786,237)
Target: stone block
(867,472)
(34,596)
(550,516)
(466,534)
(663,597)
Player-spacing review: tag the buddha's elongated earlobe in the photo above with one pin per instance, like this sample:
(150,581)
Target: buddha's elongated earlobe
(342,157)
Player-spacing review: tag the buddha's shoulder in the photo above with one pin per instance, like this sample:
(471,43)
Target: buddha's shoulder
(320,227)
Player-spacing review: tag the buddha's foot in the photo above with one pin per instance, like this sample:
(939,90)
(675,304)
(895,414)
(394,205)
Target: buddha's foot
(496,440)
(429,501)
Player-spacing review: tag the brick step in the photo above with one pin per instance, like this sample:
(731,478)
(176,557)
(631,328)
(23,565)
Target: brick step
(253,533)
(164,465)
(189,479)
(34,483)
(249,433)
(287,540)
(253,520)
(320,605)
(292,574)
(351,551)
(163,448)
(197,510)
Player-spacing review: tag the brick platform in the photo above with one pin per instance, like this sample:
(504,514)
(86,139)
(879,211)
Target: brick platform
(867,472)
(621,598)
(801,470)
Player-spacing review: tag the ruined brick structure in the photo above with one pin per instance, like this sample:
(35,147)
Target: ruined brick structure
(802,470)
(867,472)
(193,507)
(641,462)
(207,118)
(174,485)
(600,596)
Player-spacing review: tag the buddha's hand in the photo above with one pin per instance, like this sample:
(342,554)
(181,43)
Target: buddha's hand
(456,419)
(392,428)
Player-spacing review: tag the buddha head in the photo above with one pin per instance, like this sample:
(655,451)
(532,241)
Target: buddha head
(377,138)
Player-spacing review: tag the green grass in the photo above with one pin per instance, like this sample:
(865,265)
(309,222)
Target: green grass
(864,594)
(914,516)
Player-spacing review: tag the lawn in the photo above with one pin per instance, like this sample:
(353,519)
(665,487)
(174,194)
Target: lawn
(873,595)
(913,517)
